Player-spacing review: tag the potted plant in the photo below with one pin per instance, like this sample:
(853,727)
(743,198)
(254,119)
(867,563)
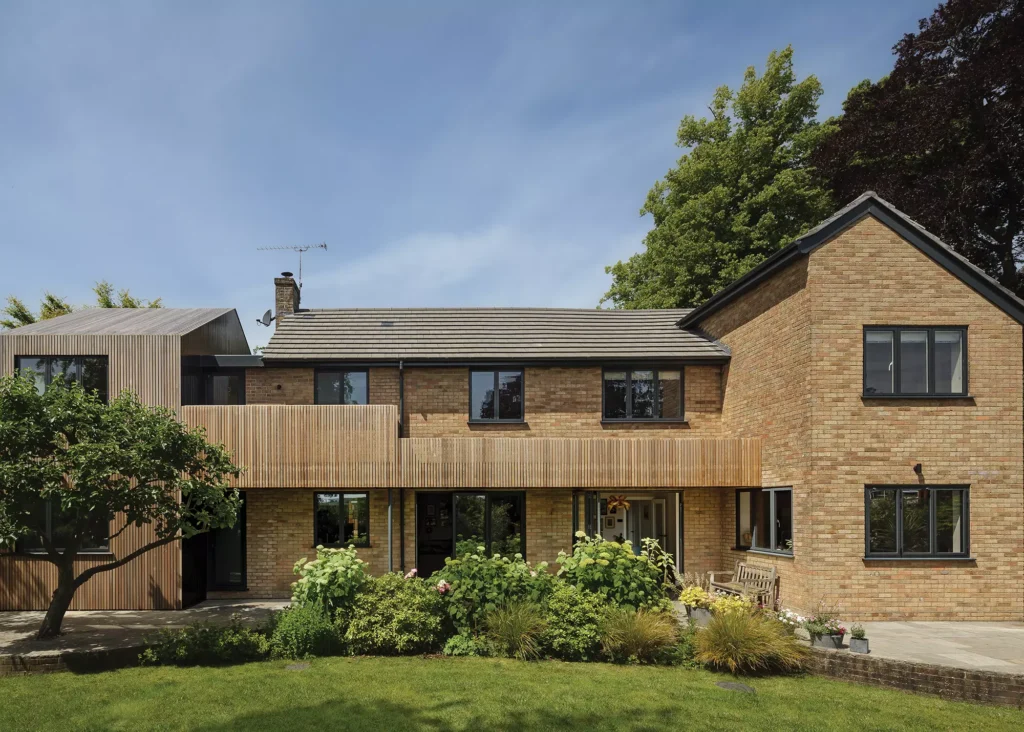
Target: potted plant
(858,639)
(825,631)
(698,604)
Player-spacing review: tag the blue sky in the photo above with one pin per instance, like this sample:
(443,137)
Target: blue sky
(448,153)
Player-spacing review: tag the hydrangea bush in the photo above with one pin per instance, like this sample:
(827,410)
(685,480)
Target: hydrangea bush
(330,582)
(612,570)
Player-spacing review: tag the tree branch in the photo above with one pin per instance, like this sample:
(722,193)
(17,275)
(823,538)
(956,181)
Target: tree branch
(93,571)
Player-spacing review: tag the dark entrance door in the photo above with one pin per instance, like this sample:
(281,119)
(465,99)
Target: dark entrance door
(193,569)
(434,525)
(227,555)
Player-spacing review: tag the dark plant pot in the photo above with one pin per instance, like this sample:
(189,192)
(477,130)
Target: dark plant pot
(859,645)
(833,642)
(699,615)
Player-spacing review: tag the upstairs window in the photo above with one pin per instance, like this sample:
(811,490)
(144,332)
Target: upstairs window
(89,371)
(212,387)
(496,396)
(916,521)
(643,394)
(915,361)
(337,386)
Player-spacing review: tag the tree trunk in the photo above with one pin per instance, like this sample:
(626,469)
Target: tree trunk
(59,603)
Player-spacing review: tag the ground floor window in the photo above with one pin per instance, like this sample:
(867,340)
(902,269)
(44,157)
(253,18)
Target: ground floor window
(764,519)
(341,519)
(51,521)
(917,521)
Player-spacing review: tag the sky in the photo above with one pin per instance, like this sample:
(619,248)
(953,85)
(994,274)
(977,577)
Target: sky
(449,153)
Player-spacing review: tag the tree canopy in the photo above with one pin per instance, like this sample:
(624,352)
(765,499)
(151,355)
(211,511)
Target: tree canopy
(742,190)
(942,136)
(95,469)
(52,306)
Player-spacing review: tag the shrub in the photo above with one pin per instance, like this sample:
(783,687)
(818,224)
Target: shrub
(639,636)
(464,644)
(205,644)
(611,569)
(515,630)
(695,596)
(304,631)
(399,616)
(684,652)
(745,643)
(475,585)
(857,632)
(722,603)
(331,581)
(574,616)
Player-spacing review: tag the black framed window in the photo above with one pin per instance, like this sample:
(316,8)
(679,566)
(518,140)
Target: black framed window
(53,522)
(339,386)
(212,386)
(89,371)
(642,394)
(916,521)
(496,395)
(764,519)
(341,519)
(495,521)
(915,361)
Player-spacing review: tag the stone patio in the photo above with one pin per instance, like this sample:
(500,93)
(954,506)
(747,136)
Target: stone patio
(973,646)
(106,630)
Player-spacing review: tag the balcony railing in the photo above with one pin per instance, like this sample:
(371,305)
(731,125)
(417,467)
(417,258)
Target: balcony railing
(541,462)
(299,446)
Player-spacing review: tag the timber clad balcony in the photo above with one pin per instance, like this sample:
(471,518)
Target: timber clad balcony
(301,446)
(305,446)
(567,462)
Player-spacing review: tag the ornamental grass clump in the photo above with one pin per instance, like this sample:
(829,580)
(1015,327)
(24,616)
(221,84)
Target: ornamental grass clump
(639,636)
(613,571)
(748,643)
(515,630)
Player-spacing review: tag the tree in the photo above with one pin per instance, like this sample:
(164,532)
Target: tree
(96,469)
(942,136)
(52,306)
(741,191)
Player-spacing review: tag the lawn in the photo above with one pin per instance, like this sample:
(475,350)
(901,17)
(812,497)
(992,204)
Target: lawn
(465,694)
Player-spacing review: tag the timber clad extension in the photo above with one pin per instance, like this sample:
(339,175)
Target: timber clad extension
(361,425)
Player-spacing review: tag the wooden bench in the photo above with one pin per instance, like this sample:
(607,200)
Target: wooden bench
(756,581)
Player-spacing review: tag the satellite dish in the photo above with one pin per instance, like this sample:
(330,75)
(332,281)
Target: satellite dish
(267,319)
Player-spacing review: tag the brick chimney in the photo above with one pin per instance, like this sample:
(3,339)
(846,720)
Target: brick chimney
(286,295)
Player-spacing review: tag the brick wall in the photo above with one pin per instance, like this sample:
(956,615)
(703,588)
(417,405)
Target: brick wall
(560,402)
(279,386)
(279,531)
(795,380)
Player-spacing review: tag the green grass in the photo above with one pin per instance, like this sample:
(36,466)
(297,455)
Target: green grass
(465,694)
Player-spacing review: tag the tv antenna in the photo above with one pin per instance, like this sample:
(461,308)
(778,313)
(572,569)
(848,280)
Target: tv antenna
(300,249)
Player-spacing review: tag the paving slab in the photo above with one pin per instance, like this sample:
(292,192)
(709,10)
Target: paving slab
(966,645)
(104,630)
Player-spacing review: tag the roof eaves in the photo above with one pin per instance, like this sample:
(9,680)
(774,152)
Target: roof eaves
(867,204)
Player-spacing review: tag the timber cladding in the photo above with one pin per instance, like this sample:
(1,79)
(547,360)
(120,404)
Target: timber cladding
(299,446)
(149,365)
(567,462)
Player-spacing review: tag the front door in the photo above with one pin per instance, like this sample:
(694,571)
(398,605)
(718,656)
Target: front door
(226,552)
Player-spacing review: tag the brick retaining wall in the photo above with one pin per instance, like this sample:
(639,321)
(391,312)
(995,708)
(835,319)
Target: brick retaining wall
(955,684)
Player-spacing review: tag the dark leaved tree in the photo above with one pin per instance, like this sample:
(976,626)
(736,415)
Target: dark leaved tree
(942,136)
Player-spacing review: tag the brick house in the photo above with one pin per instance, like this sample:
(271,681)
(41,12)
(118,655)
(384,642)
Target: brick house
(851,411)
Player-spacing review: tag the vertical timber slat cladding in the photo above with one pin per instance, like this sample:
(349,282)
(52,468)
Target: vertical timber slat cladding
(149,365)
(567,462)
(305,446)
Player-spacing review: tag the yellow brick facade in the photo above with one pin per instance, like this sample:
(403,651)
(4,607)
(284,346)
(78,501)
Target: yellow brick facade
(795,380)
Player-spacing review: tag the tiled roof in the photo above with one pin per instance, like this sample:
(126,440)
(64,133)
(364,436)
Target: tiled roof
(124,321)
(492,334)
